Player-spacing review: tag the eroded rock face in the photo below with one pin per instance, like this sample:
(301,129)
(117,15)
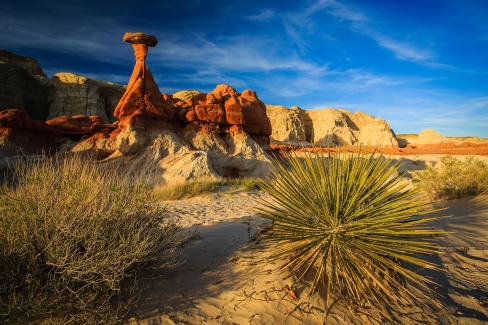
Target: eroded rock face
(329,127)
(23,85)
(287,124)
(228,111)
(30,65)
(81,124)
(77,95)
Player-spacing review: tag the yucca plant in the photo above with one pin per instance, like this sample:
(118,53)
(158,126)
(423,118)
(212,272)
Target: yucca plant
(350,221)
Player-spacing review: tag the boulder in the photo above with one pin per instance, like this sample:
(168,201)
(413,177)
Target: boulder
(431,136)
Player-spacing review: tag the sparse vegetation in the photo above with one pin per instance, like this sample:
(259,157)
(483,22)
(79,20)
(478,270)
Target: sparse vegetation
(194,188)
(350,222)
(454,178)
(183,190)
(70,232)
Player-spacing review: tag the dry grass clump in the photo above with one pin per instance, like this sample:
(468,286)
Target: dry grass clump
(454,178)
(177,191)
(188,189)
(349,222)
(70,232)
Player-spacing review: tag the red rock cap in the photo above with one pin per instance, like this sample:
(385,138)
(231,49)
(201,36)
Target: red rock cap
(140,38)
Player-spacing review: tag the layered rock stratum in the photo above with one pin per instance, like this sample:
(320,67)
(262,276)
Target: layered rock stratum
(23,85)
(329,127)
(77,95)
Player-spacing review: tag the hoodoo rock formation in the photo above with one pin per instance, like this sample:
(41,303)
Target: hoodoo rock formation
(142,99)
(176,138)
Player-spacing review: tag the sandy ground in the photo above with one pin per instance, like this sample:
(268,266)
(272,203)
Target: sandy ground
(228,279)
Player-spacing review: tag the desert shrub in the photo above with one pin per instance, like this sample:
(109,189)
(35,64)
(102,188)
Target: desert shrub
(70,232)
(349,221)
(454,178)
(247,184)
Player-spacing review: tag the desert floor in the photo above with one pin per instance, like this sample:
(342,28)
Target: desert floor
(228,279)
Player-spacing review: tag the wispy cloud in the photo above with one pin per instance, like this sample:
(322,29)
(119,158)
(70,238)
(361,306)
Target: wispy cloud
(359,22)
(239,53)
(266,14)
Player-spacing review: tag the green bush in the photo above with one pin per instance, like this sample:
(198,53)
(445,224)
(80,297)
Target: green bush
(350,222)
(454,178)
(70,232)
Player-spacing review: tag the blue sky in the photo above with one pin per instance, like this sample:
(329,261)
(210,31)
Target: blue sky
(418,64)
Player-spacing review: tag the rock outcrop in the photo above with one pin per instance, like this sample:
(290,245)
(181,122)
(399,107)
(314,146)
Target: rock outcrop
(287,124)
(426,137)
(329,127)
(30,65)
(430,136)
(205,135)
(77,95)
(23,85)
(19,134)
(226,111)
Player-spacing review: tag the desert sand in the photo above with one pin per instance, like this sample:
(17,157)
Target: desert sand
(227,277)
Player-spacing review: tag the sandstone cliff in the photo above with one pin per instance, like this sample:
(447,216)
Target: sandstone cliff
(23,85)
(287,125)
(329,127)
(77,95)
(28,64)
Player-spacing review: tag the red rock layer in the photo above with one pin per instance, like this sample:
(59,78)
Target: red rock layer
(226,108)
(464,148)
(74,124)
(24,135)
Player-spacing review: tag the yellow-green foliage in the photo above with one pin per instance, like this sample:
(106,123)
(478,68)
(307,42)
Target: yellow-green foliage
(454,178)
(70,232)
(183,190)
(194,188)
(350,222)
